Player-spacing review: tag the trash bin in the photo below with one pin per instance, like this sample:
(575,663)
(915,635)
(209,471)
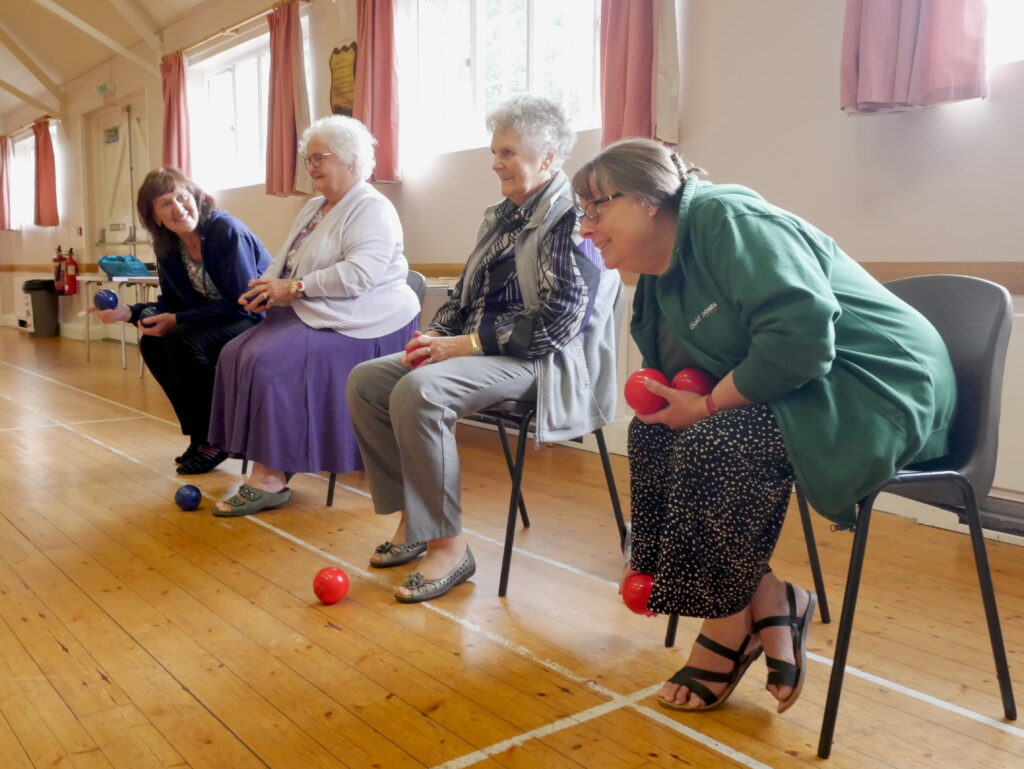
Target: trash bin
(42,308)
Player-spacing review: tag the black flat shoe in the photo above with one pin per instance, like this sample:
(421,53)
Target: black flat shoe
(192,447)
(200,462)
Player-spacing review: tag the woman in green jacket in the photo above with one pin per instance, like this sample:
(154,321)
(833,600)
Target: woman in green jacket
(824,377)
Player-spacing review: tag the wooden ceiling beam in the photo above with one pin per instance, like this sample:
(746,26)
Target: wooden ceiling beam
(140,21)
(29,63)
(95,34)
(58,113)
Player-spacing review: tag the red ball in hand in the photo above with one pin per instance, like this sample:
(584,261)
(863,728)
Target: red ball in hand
(636,591)
(696,380)
(639,398)
(330,584)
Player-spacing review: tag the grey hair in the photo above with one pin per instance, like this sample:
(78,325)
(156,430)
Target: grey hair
(540,122)
(347,138)
(642,169)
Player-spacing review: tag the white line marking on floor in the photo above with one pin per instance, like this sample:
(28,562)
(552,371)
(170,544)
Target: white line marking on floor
(708,742)
(543,731)
(84,392)
(1016,731)
(542,558)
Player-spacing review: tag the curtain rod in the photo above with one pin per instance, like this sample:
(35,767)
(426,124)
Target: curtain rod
(28,125)
(233,28)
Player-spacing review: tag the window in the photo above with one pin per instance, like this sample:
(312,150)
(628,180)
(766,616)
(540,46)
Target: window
(23,176)
(1004,39)
(460,58)
(229,93)
(23,180)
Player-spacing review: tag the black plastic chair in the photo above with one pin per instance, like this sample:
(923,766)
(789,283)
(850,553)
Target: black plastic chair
(418,283)
(520,415)
(974,318)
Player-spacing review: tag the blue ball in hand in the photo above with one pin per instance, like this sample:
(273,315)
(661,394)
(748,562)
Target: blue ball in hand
(188,497)
(105,299)
(149,312)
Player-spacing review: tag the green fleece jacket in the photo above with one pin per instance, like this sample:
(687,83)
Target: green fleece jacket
(860,383)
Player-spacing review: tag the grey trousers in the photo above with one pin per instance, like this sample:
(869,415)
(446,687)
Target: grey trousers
(405,427)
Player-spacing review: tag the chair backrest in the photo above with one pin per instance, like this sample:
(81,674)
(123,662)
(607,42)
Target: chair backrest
(974,317)
(417,283)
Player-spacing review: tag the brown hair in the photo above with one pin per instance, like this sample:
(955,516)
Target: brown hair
(160,182)
(639,168)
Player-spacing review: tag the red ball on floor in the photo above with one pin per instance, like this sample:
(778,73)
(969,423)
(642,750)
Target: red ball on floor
(330,584)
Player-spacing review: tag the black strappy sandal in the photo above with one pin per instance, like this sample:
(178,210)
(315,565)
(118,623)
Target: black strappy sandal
(780,672)
(691,677)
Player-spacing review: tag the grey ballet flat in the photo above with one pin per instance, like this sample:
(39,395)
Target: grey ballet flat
(396,555)
(427,589)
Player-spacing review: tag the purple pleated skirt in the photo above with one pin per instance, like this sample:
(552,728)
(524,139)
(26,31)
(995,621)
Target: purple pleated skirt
(279,394)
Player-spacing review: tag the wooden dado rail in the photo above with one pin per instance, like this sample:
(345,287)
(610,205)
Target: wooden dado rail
(1009,274)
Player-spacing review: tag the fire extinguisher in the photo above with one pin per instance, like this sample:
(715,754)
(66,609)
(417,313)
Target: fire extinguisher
(58,271)
(70,273)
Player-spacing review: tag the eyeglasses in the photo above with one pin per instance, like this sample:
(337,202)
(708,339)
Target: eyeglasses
(314,161)
(592,211)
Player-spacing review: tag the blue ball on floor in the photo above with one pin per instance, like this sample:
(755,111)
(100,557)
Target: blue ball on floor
(188,497)
(149,312)
(105,299)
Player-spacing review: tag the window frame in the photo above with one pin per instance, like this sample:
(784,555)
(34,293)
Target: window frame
(247,43)
(408,34)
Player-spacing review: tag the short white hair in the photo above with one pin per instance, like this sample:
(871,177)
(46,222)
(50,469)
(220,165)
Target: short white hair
(347,138)
(541,124)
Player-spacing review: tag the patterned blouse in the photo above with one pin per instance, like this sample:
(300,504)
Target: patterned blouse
(199,277)
(497,313)
(293,252)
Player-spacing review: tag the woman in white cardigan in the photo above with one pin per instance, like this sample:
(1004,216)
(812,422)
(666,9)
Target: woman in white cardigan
(335,296)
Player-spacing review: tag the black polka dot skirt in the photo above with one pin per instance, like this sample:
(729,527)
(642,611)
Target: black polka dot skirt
(708,504)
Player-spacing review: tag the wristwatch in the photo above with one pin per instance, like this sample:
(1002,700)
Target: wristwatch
(474,340)
(298,288)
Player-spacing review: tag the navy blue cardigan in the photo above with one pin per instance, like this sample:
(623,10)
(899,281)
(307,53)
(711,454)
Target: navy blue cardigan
(232,256)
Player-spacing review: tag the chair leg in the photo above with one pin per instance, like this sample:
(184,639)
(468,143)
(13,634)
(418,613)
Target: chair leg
(670,631)
(988,598)
(513,505)
(330,489)
(511,462)
(835,682)
(812,555)
(613,491)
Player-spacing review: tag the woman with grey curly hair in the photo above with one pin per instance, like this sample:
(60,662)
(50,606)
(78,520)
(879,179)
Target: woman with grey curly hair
(511,330)
(540,123)
(336,295)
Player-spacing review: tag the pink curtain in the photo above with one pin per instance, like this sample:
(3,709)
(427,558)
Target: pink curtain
(376,98)
(177,148)
(287,99)
(627,67)
(46,177)
(5,183)
(902,54)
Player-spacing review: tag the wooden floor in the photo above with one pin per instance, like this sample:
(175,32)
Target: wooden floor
(135,635)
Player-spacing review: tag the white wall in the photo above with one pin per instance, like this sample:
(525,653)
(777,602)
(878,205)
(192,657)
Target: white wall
(762,109)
